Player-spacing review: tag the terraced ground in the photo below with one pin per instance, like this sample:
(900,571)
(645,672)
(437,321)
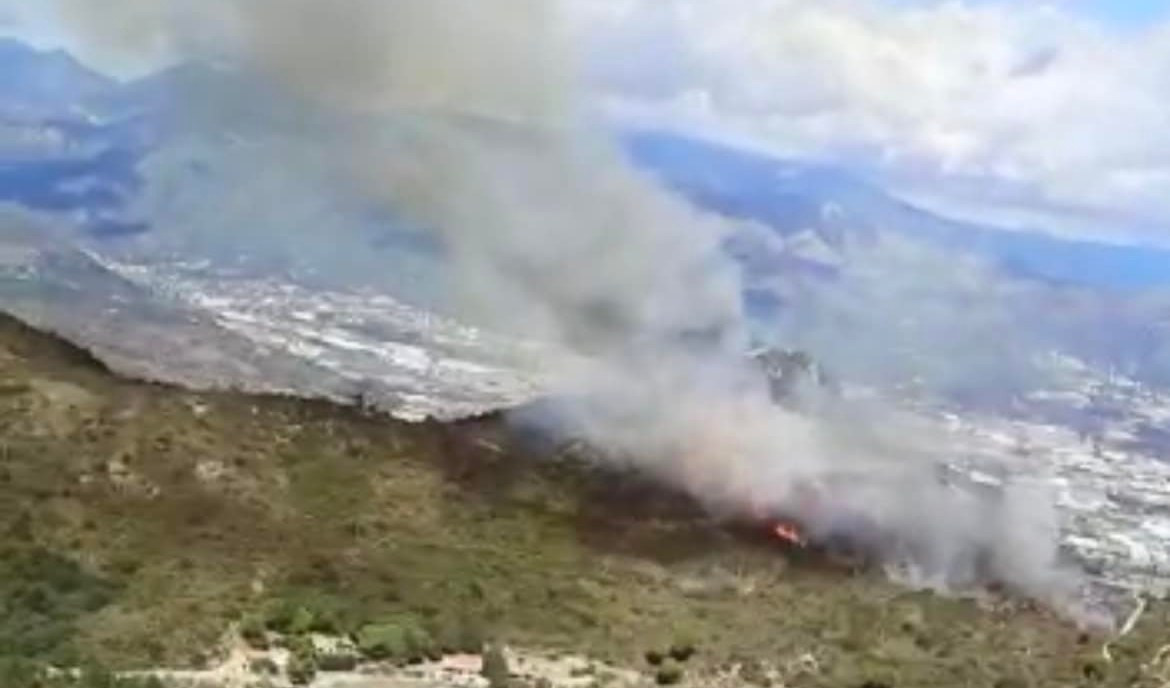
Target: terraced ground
(138,522)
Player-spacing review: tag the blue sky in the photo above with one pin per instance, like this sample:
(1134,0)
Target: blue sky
(1122,13)
(1126,14)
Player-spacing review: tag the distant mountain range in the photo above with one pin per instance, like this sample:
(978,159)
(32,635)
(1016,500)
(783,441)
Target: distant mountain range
(75,144)
(792,196)
(70,141)
(43,84)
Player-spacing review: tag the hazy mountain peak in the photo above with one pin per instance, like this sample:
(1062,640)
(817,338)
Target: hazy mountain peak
(44,82)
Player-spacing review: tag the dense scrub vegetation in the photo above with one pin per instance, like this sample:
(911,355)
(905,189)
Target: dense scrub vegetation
(16,673)
(42,597)
(140,522)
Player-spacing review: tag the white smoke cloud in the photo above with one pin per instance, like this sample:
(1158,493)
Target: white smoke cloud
(461,116)
(900,297)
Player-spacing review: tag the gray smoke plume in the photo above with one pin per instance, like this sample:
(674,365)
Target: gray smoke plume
(461,116)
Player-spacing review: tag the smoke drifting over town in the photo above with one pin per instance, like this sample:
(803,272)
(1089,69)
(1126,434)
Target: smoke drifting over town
(462,118)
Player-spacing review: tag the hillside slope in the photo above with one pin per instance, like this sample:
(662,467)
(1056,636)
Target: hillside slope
(139,521)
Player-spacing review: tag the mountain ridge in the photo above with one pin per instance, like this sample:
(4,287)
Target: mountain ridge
(790,195)
(195,510)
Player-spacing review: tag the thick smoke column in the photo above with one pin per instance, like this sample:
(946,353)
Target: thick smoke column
(460,116)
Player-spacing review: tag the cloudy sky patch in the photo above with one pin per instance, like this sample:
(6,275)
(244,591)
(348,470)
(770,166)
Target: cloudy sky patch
(1064,107)
(1051,114)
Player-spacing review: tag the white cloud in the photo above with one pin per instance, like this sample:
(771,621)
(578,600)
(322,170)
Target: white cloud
(128,40)
(1026,113)
(967,104)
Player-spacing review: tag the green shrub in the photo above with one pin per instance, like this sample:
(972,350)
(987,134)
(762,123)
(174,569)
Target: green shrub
(42,597)
(753,672)
(20,673)
(326,621)
(1093,670)
(94,676)
(301,621)
(301,670)
(457,634)
(669,673)
(682,649)
(16,673)
(337,661)
(279,614)
(253,632)
(381,641)
(401,639)
(420,644)
(263,666)
(301,612)
(302,646)
(654,657)
(495,668)
(582,671)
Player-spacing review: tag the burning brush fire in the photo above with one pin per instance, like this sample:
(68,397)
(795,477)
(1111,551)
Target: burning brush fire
(789,533)
(814,521)
(785,531)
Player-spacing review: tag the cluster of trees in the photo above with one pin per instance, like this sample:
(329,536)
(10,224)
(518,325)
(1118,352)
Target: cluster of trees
(669,665)
(400,638)
(21,673)
(42,597)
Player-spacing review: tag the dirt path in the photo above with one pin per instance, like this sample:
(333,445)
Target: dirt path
(238,669)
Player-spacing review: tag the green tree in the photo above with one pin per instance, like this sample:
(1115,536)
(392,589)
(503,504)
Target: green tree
(669,673)
(401,639)
(253,632)
(495,668)
(301,670)
(381,641)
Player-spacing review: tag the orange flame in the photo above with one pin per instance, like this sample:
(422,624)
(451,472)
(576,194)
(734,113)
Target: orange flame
(789,533)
